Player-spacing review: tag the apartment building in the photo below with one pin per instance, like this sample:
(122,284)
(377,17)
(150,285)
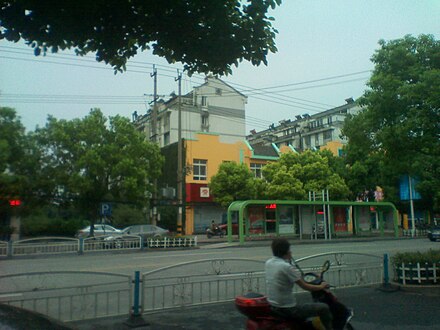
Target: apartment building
(317,131)
(213,107)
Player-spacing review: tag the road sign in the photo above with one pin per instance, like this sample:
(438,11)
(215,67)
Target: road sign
(105,209)
(405,193)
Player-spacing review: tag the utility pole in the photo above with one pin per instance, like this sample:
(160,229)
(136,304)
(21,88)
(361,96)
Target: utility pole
(179,158)
(411,204)
(153,139)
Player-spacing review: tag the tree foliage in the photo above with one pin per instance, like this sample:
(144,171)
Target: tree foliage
(89,161)
(18,169)
(294,175)
(398,133)
(207,36)
(13,155)
(231,183)
(11,135)
(11,138)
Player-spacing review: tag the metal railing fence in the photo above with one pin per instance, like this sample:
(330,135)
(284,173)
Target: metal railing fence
(219,280)
(59,245)
(69,296)
(74,296)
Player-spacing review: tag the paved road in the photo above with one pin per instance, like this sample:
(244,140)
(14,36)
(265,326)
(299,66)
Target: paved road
(128,262)
(406,309)
(374,309)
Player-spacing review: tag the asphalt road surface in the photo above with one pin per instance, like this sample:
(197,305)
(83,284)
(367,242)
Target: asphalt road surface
(124,262)
(405,309)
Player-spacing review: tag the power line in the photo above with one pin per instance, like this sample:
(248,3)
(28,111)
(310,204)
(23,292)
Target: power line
(312,81)
(258,91)
(263,94)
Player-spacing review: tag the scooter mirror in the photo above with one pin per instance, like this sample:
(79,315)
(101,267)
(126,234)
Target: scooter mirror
(325,266)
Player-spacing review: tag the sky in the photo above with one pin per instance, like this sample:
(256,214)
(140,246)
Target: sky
(323,58)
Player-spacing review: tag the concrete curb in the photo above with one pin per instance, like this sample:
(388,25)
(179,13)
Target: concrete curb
(204,243)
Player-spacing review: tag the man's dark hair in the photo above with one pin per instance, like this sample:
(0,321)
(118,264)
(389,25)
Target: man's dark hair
(280,247)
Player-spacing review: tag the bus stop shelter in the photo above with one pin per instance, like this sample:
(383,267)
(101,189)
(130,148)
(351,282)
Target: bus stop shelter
(240,208)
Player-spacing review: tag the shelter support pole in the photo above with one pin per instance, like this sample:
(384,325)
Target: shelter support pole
(240,224)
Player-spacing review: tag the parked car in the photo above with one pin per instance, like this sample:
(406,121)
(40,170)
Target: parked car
(146,231)
(434,233)
(99,230)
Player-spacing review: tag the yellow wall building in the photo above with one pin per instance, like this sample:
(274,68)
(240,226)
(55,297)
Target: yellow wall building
(204,155)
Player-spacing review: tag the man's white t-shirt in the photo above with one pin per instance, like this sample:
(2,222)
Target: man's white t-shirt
(280,279)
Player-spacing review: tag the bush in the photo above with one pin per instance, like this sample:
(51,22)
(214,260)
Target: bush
(5,232)
(127,215)
(42,225)
(430,256)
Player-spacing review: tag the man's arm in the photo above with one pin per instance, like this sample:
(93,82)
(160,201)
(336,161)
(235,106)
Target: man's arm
(311,287)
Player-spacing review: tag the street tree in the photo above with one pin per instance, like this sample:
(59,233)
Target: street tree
(398,132)
(207,36)
(92,160)
(18,168)
(231,183)
(18,161)
(294,175)
(12,134)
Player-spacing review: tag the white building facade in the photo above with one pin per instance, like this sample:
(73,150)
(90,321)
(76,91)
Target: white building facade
(318,131)
(213,107)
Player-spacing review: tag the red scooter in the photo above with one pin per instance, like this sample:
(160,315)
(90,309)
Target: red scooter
(260,315)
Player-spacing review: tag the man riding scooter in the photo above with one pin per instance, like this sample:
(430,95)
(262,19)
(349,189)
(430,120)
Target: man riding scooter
(281,276)
(214,230)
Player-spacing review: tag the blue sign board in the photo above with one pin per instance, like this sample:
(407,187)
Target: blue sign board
(105,209)
(404,188)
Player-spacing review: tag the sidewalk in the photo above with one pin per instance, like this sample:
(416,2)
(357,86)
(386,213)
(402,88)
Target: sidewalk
(217,242)
(407,309)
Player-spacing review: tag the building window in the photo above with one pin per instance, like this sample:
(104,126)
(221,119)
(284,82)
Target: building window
(218,91)
(327,135)
(256,168)
(159,126)
(307,141)
(316,139)
(205,123)
(199,169)
(166,122)
(329,120)
(204,101)
(166,139)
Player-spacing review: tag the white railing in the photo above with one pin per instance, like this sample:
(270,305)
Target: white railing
(58,245)
(45,245)
(75,295)
(219,280)
(417,232)
(428,273)
(58,295)
(348,269)
(200,282)
(126,242)
(3,248)
(172,242)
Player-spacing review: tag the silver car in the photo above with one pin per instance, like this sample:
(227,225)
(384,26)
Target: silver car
(146,231)
(99,230)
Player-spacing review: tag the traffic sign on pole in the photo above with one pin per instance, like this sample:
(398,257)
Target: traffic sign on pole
(106,209)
